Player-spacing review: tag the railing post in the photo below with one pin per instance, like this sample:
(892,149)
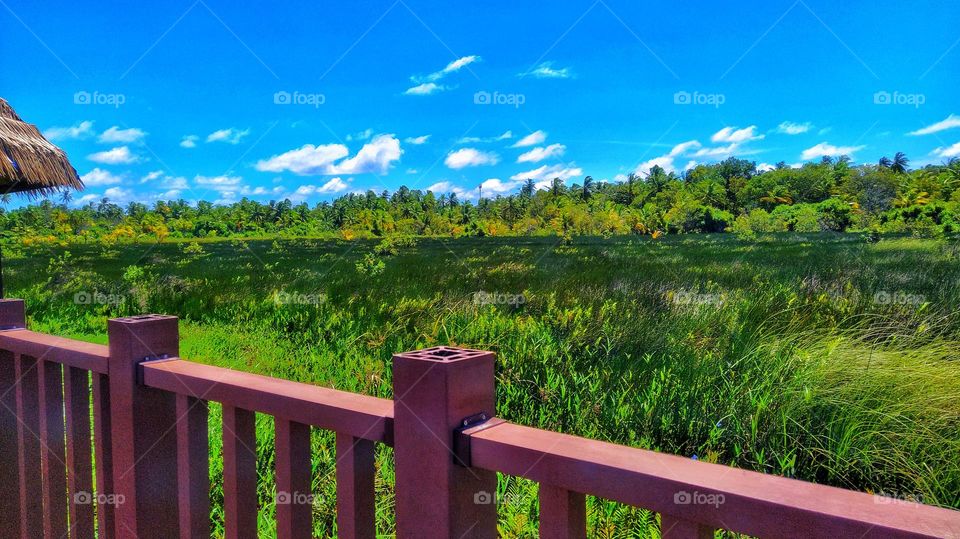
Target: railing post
(143,424)
(435,390)
(11,316)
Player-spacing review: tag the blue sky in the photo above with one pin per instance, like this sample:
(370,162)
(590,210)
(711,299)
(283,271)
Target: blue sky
(308,100)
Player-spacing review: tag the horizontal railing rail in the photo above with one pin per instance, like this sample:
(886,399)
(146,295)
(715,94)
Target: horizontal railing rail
(150,454)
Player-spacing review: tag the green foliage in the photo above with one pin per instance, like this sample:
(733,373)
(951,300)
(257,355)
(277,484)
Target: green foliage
(821,357)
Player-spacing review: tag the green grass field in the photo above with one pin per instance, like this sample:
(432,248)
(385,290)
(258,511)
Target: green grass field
(827,358)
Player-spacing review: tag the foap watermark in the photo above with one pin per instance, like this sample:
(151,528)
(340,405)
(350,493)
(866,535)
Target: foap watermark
(897,498)
(87,498)
(698,498)
(284,97)
(97,298)
(283,297)
(885,297)
(487,498)
(484,97)
(498,298)
(884,97)
(84,97)
(696,98)
(294,498)
(693,297)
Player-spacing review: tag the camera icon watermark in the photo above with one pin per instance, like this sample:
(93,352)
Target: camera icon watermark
(698,498)
(884,297)
(696,98)
(84,97)
(483,498)
(693,298)
(88,498)
(283,297)
(884,97)
(484,97)
(498,298)
(97,298)
(294,498)
(284,97)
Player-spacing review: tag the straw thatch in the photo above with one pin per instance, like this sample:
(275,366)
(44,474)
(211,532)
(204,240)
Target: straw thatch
(28,162)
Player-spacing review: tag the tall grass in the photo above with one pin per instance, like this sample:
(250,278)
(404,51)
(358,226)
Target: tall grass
(829,359)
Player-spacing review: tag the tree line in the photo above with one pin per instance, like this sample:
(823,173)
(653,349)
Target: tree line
(728,196)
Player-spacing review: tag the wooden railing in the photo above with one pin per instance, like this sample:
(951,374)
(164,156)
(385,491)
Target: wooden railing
(150,453)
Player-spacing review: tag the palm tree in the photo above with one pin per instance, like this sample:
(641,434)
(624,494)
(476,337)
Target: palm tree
(631,181)
(528,188)
(65,197)
(900,163)
(556,187)
(885,162)
(587,187)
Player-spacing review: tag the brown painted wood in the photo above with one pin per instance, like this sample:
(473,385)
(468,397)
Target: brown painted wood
(53,467)
(80,354)
(677,528)
(563,514)
(239,473)
(28,444)
(294,498)
(76,396)
(193,467)
(9,467)
(434,391)
(753,503)
(340,411)
(103,456)
(143,429)
(356,500)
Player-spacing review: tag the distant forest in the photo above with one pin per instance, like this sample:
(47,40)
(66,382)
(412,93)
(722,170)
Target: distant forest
(729,196)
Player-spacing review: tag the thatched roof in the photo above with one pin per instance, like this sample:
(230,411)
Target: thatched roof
(29,162)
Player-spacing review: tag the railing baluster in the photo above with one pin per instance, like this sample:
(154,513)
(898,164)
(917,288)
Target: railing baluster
(672,527)
(239,473)
(103,453)
(563,514)
(356,501)
(193,467)
(76,394)
(294,500)
(53,467)
(9,472)
(28,446)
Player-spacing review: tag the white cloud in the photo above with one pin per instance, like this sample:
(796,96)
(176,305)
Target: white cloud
(684,147)
(375,157)
(547,71)
(825,149)
(80,131)
(335,185)
(506,135)
(497,187)
(793,128)
(116,156)
(230,135)
(189,141)
(718,152)
(445,188)
(118,195)
(452,67)
(948,152)
(666,162)
(470,157)
(949,123)
(363,135)
(416,141)
(98,177)
(426,88)
(426,85)
(765,167)
(158,179)
(548,173)
(542,152)
(219,183)
(115,135)
(537,137)
(736,136)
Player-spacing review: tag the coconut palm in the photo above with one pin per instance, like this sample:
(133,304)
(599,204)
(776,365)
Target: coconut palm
(900,162)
